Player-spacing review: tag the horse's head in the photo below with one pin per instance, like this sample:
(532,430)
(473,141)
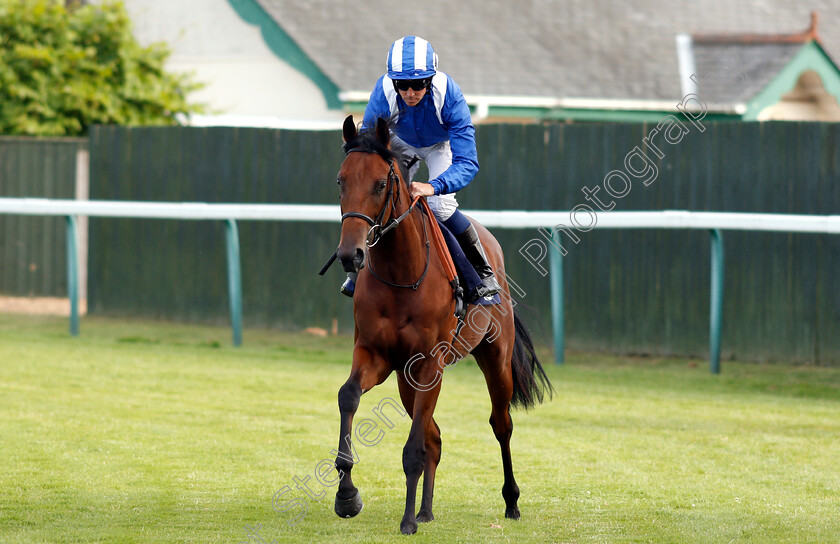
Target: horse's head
(369,187)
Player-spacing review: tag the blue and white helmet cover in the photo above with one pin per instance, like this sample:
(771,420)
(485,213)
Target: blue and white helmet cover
(412,57)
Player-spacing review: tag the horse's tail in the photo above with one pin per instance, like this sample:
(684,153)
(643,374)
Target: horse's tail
(530,382)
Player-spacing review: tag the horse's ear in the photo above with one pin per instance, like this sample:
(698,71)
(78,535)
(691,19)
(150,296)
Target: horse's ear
(349,129)
(383,134)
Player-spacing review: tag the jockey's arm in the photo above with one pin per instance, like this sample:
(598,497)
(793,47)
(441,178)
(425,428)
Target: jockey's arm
(464,165)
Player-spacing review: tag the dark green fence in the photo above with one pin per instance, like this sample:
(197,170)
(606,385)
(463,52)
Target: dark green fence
(647,291)
(629,291)
(33,251)
(176,269)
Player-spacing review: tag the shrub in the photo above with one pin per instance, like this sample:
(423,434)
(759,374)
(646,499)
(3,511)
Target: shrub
(65,68)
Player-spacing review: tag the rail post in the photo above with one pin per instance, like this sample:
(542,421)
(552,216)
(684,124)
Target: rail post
(73,273)
(716,310)
(234,271)
(558,310)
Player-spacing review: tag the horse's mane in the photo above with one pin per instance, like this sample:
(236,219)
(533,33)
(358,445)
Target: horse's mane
(367,142)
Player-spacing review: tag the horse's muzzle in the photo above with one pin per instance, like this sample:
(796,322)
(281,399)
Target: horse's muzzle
(352,259)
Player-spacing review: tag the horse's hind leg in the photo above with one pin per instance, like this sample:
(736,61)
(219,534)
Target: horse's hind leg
(368,370)
(433,452)
(500,385)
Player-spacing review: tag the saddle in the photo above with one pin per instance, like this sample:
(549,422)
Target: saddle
(456,263)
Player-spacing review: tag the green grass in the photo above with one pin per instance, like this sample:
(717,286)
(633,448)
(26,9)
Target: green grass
(157,432)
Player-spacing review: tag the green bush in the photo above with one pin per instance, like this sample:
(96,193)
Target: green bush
(63,69)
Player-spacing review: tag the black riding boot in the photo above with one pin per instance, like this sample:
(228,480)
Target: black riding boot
(475,255)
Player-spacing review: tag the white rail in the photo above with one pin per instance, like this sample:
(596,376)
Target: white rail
(581,220)
(514,219)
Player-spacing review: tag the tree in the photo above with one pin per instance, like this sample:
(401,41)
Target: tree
(65,68)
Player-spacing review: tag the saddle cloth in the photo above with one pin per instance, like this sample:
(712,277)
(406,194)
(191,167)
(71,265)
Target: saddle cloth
(466,273)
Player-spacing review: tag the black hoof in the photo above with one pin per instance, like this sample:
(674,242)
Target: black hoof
(347,508)
(512,513)
(408,527)
(425,517)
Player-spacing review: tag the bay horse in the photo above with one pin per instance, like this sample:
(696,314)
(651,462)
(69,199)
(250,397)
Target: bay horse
(404,311)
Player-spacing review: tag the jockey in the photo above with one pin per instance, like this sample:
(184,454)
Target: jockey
(432,122)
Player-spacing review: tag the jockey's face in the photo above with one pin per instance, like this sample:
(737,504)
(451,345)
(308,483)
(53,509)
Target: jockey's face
(412,97)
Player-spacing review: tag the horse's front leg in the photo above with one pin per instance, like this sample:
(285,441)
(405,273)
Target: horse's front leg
(415,453)
(368,371)
(433,451)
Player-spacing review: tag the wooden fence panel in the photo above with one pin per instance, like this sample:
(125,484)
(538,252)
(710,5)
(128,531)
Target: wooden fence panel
(628,291)
(33,259)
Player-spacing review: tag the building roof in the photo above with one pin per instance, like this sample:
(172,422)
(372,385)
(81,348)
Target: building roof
(598,49)
(736,67)
(734,73)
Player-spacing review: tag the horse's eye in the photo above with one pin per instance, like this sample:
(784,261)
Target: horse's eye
(380,186)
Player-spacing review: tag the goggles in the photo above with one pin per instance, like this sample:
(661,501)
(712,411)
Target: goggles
(413,84)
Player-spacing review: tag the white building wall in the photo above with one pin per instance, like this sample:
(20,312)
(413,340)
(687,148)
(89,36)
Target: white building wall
(245,83)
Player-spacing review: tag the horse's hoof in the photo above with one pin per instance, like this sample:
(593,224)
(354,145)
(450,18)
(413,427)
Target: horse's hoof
(512,513)
(408,527)
(347,508)
(425,517)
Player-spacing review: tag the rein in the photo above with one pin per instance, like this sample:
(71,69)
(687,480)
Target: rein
(377,230)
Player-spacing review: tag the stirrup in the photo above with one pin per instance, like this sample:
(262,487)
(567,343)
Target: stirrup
(489,287)
(348,288)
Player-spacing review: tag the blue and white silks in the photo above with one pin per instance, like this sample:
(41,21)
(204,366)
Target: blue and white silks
(442,115)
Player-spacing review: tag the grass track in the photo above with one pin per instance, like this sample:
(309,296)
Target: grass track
(154,432)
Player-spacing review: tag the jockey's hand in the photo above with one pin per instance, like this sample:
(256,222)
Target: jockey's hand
(421,189)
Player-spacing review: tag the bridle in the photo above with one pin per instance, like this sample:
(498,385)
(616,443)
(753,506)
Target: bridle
(377,230)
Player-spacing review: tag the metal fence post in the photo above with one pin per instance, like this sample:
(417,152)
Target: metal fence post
(73,273)
(716,310)
(557,302)
(234,279)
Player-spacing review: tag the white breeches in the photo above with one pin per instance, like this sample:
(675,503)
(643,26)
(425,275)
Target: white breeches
(438,158)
